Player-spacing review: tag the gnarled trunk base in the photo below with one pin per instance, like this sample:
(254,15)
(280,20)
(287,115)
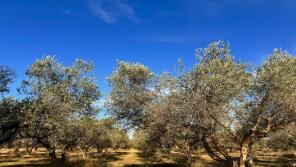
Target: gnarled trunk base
(63,156)
(52,154)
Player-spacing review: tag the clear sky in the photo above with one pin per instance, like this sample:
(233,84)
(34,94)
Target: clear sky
(153,32)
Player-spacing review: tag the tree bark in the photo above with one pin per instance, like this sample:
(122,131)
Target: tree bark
(99,150)
(223,161)
(188,158)
(63,157)
(246,157)
(250,162)
(244,153)
(52,153)
(51,149)
(187,150)
(29,150)
(84,153)
(189,161)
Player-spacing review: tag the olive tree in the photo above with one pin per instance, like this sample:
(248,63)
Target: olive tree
(200,101)
(131,92)
(10,110)
(172,129)
(9,107)
(67,138)
(219,81)
(272,104)
(100,134)
(119,138)
(139,140)
(58,94)
(236,106)
(196,110)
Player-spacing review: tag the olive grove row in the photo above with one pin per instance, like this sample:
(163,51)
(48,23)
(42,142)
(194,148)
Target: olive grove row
(218,105)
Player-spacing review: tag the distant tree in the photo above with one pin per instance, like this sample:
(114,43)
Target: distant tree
(59,94)
(119,138)
(89,129)
(95,134)
(139,140)
(102,140)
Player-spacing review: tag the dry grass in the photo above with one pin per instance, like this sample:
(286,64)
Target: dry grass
(129,158)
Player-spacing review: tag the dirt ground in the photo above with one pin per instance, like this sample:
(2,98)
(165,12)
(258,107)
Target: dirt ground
(127,158)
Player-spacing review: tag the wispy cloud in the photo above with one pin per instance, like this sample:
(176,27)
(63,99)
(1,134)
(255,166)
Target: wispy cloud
(98,10)
(67,12)
(112,11)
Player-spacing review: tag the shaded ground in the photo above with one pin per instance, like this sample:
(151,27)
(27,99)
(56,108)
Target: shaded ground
(127,158)
(273,159)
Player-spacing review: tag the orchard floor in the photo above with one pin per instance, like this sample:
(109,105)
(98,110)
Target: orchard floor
(126,158)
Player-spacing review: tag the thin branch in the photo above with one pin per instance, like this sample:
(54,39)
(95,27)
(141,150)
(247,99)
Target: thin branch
(225,127)
(287,131)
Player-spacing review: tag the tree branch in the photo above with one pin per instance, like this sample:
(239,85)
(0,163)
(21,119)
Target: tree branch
(225,127)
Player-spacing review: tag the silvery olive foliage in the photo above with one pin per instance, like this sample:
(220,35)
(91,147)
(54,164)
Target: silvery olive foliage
(131,92)
(58,94)
(270,106)
(198,103)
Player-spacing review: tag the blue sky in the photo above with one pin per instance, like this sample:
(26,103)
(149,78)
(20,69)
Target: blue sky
(153,32)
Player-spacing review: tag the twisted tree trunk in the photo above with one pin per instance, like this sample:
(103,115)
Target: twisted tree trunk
(51,149)
(188,154)
(224,160)
(246,150)
(250,161)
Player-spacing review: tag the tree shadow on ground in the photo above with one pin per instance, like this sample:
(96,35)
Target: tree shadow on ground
(93,160)
(156,165)
(276,162)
